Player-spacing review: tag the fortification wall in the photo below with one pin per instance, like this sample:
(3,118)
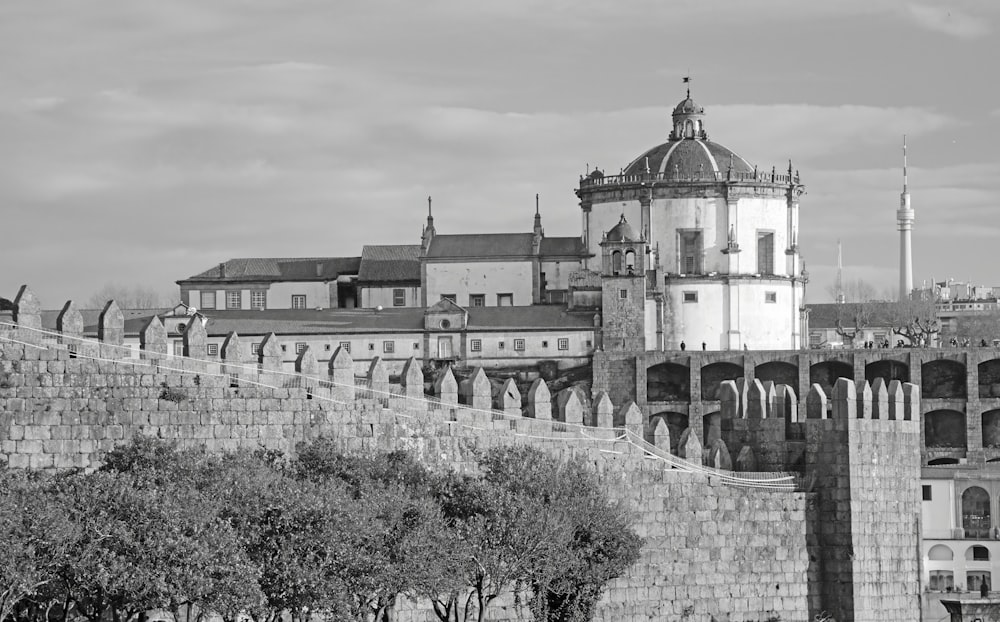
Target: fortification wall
(713,551)
(720,544)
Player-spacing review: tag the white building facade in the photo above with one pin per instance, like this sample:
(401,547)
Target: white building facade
(721,235)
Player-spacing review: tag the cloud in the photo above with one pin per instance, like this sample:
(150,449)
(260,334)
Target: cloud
(949,21)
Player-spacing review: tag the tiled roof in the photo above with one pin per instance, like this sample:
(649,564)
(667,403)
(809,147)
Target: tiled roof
(537,316)
(312,322)
(691,157)
(481,245)
(135,319)
(281,269)
(571,246)
(824,315)
(392,264)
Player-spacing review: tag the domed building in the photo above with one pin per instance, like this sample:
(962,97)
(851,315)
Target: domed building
(720,237)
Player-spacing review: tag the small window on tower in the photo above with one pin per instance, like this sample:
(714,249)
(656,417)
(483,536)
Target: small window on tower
(770,296)
(690,296)
(623,294)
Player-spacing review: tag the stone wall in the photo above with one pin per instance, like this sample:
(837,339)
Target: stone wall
(719,545)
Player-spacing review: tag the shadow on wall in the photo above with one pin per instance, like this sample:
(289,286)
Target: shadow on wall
(945,428)
(943,379)
(668,382)
(713,375)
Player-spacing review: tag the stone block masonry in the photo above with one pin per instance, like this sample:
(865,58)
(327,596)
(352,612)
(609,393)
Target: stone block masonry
(719,546)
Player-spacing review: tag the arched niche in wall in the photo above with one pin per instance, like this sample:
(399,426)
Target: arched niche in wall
(976,512)
(991,428)
(668,382)
(940,552)
(977,553)
(942,461)
(942,378)
(825,374)
(989,378)
(945,429)
(778,372)
(887,370)
(714,374)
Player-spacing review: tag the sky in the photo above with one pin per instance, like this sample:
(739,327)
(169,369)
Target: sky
(144,141)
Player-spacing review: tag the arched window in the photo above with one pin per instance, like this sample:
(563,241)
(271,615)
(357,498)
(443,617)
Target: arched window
(940,552)
(630,261)
(977,553)
(688,129)
(616,262)
(976,513)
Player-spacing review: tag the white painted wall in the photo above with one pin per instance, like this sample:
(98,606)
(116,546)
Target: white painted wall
(538,345)
(279,295)
(372,297)
(557,273)
(762,325)
(937,516)
(709,215)
(481,277)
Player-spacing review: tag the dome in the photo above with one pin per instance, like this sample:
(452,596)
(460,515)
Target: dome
(687,106)
(622,232)
(689,157)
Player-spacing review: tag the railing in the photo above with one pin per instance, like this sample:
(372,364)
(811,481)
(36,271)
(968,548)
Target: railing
(396,398)
(707,177)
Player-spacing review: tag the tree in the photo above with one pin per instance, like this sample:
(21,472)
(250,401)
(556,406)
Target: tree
(35,536)
(915,319)
(404,545)
(143,544)
(602,546)
(130,297)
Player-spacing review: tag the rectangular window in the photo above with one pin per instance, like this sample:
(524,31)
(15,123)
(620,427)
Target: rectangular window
(974,579)
(690,296)
(388,347)
(765,252)
(477,300)
(284,348)
(208,300)
(179,347)
(563,343)
(545,343)
(346,345)
(234,299)
(450,297)
(505,300)
(770,296)
(213,349)
(476,345)
(258,299)
(927,492)
(371,347)
(399,297)
(255,349)
(691,251)
(416,345)
(298,301)
(623,294)
(299,347)
(500,345)
(519,345)
(942,581)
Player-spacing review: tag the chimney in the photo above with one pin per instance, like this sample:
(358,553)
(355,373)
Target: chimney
(222,270)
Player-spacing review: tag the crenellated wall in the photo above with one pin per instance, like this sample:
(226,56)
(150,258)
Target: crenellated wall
(724,541)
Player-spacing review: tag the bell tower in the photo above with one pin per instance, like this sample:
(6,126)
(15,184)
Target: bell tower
(623,285)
